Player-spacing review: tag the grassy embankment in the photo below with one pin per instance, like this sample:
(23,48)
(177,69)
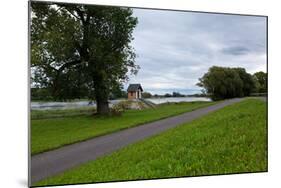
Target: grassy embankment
(51,133)
(230,140)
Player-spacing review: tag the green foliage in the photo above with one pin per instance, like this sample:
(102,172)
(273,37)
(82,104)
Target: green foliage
(248,81)
(174,94)
(47,134)
(261,79)
(230,140)
(81,50)
(146,95)
(168,95)
(117,92)
(177,94)
(40,94)
(223,82)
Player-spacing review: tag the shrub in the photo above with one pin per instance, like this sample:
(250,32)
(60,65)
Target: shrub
(117,110)
(125,105)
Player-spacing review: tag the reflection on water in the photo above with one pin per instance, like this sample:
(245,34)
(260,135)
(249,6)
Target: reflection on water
(66,105)
(79,104)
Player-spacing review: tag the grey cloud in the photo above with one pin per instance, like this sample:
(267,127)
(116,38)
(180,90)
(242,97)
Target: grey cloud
(237,50)
(175,48)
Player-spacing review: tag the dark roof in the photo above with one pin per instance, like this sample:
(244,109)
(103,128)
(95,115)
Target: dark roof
(134,87)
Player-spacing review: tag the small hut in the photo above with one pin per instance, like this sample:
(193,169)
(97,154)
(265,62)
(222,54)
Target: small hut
(134,91)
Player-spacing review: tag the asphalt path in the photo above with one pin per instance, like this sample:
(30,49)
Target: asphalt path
(56,161)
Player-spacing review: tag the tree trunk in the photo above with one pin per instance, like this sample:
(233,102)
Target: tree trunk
(101,94)
(102,107)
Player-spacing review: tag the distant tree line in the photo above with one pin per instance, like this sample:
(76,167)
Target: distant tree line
(45,94)
(173,94)
(224,82)
(42,94)
(146,95)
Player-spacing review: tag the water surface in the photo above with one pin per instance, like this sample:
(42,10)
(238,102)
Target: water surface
(177,99)
(79,104)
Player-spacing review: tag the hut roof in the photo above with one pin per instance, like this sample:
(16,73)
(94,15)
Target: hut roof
(134,87)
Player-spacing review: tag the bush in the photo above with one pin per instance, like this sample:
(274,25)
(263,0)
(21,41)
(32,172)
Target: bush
(117,110)
(125,105)
(120,107)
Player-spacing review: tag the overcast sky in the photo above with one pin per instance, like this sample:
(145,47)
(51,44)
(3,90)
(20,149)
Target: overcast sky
(175,48)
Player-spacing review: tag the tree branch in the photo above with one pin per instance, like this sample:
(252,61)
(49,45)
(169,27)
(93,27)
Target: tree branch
(71,8)
(73,14)
(69,64)
(80,14)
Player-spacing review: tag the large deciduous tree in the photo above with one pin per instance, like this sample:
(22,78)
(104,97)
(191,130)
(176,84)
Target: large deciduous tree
(261,78)
(225,82)
(81,50)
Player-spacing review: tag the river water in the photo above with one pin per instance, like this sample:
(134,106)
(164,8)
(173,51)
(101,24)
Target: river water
(79,104)
(66,105)
(178,99)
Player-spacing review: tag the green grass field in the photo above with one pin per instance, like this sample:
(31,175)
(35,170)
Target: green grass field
(51,133)
(230,140)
